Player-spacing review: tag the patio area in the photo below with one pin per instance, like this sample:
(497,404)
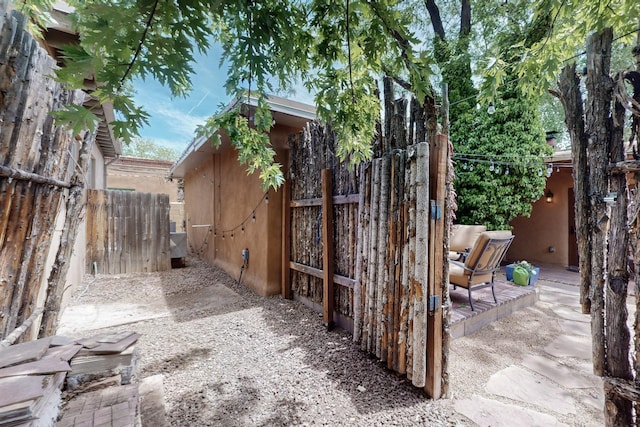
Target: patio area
(511,298)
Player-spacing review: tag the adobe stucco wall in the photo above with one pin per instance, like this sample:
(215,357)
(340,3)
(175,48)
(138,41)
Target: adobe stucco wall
(77,263)
(221,194)
(144,175)
(547,227)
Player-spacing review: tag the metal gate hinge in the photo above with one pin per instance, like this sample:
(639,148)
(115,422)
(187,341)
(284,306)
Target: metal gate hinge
(436,210)
(434,301)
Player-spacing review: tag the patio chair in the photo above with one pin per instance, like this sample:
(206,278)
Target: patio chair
(478,269)
(463,237)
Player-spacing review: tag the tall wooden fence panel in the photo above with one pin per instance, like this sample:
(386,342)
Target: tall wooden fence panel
(311,154)
(384,226)
(127,232)
(34,163)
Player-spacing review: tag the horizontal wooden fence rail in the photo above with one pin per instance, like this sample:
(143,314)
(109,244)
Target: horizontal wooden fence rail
(337,200)
(316,272)
(20,175)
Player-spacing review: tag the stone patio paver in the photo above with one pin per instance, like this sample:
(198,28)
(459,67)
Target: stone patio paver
(517,383)
(568,313)
(571,327)
(559,373)
(561,298)
(487,412)
(570,346)
(542,378)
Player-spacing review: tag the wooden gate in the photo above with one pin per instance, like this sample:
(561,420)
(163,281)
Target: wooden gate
(127,232)
(366,246)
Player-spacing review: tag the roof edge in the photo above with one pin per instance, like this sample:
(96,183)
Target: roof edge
(275,103)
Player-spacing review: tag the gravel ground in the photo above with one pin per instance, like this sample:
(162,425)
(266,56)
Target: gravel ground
(244,360)
(231,358)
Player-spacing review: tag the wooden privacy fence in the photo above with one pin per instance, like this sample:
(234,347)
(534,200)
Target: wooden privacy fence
(35,179)
(127,232)
(320,225)
(374,260)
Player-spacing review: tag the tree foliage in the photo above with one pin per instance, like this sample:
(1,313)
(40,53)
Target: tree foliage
(499,170)
(337,49)
(145,148)
(563,42)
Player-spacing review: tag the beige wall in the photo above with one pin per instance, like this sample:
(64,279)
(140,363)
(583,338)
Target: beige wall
(147,176)
(77,270)
(221,194)
(547,227)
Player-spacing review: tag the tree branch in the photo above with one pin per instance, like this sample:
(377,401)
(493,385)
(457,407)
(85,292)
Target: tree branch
(140,44)
(400,82)
(403,44)
(465,18)
(436,20)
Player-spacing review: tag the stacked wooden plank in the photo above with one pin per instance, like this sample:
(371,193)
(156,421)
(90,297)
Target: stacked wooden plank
(32,374)
(31,379)
(103,357)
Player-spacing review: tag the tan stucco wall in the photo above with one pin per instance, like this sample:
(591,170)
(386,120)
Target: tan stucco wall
(77,270)
(147,176)
(219,192)
(547,227)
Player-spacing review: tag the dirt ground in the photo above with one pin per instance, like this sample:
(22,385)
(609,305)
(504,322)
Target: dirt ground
(231,358)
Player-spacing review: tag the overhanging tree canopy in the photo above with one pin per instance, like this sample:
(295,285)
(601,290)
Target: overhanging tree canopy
(335,49)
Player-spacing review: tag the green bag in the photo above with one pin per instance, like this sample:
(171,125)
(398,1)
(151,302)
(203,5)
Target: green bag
(521,276)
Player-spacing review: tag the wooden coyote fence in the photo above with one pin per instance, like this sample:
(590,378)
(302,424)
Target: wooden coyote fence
(127,232)
(366,247)
(36,181)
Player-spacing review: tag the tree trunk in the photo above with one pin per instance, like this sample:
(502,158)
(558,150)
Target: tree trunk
(598,127)
(617,332)
(571,98)
(635,241)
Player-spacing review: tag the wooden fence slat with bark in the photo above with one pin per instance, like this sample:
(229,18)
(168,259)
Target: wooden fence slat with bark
(607,233)
(127,232)
(34,177)
(388,252)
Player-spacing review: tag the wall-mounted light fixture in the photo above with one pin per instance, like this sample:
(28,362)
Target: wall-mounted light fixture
(549,196)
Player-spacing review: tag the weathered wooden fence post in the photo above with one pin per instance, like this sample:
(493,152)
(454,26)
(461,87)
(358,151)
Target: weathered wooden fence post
(286,239)
(34,161)
(327,247)
(437,280)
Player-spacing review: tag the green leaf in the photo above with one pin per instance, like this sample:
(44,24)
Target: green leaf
(76,118)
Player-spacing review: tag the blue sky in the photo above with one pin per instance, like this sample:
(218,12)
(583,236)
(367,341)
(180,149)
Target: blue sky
(173,121)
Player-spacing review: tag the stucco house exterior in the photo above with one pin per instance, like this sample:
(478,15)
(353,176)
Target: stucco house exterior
(548,236)
(227,211)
